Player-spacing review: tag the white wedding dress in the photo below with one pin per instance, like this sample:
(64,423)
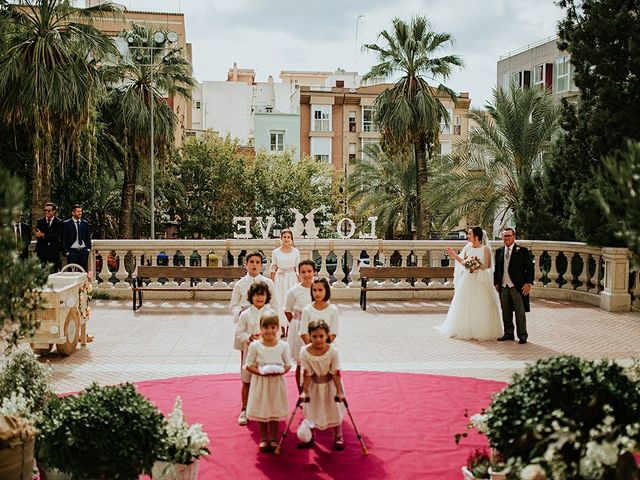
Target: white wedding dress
(474,313)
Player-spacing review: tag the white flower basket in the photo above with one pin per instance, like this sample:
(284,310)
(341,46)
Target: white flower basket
(175,471)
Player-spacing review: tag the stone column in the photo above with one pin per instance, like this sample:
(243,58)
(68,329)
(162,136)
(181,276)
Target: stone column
(615,297)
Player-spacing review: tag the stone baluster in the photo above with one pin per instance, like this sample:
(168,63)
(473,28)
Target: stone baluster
(235,255)
(104,273)
(339,273)
(538,274)
(615,297)
(219,282)
(595,280)
(354,274)
(153,282)
(404,281)
(171,282)
(583,278)
(323,272)
(122,273)
(553,271)
(387,263)
(636,290)
(420,254)
(138,259)
(204,258)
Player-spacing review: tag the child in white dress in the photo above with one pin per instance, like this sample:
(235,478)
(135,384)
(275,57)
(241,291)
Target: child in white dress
(239,301)
(322,385)
(268,360)
(284,270)
(249,331)
(298,297)
(320,309)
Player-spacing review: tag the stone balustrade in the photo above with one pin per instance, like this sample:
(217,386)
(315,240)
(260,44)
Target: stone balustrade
(563,270)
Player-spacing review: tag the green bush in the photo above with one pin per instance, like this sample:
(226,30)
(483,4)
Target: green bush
(105,432)
(23,373)
(563,402)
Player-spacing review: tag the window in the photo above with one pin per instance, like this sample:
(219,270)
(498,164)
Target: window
(365,142)
(321,149)
(277,141)
(445,147)
(197,105)
(563,70)
(538,76)
(352,152)
(368,114)
(457,125)
(352,122)
(506,81)
(321,118)
(445,122)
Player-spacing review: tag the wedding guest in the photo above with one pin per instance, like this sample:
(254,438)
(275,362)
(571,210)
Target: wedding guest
(49,237)
(239,299)
(512,278)
(76,238)
(22,234)
(284,270)
(320,309)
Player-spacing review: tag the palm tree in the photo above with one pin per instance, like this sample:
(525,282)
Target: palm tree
(486,174)
(383,185)
(50,81)
(142,78)
(409,113)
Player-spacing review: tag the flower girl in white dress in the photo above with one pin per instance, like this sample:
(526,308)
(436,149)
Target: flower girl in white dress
(474,313)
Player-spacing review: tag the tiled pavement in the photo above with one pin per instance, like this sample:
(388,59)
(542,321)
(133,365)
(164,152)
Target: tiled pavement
(168,339)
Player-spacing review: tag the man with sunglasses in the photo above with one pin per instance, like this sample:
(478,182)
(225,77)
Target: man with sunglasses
(49,238)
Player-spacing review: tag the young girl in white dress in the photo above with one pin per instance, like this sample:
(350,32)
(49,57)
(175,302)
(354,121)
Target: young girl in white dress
(322,384)
(248,331)
(298,297)
(268,360)
(320,309)
(284,270)
(474,313)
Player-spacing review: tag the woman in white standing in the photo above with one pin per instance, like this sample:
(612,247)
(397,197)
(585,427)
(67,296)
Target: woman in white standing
(284,271)
(474,313)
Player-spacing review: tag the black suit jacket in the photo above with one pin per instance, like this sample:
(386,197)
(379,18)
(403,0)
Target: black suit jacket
(22,246)
(48,248)
(69,234)
(520,269)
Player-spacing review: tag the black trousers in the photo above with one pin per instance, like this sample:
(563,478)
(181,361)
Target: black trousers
(79,256)
(511,301)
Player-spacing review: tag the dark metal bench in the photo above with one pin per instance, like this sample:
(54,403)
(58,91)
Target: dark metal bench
(413,273)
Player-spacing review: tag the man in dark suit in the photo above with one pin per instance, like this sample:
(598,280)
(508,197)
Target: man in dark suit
(49,237)
(22,234)
(512,277)
(76,238)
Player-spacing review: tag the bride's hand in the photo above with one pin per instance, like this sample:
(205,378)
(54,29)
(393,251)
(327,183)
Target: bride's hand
(451,252)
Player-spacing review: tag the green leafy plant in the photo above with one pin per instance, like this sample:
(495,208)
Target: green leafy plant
(570,417)
(479,462)
(108,432)
(183,443)
(23,374)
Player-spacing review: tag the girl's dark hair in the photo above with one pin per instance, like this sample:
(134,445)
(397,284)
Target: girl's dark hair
(311,263)
(327,288)
(253,254)
(269,318)
(259,288)
(286,230)
(318,324)
(477,232)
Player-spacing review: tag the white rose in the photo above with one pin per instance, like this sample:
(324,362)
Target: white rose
(533,472)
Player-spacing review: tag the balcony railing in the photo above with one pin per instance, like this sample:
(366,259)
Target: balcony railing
(563,270)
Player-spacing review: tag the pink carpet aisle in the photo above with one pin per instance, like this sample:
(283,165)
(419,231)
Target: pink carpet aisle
(408,422)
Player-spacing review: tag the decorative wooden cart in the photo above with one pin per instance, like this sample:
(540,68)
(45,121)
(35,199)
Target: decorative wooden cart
(64,318)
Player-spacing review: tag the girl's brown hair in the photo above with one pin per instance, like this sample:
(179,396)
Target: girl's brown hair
(327,288)
(286,230)
(270,318)
(259,288)
(318,324)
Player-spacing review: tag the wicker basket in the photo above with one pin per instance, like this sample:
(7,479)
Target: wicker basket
(17,462)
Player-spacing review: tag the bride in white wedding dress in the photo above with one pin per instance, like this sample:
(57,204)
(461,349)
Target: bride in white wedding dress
(474,313)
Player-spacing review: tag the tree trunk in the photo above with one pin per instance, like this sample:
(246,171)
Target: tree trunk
(40,184)
(125,228)
(421,180)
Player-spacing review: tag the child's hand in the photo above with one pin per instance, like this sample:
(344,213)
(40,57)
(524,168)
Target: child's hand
(339,397)
(255,336)
(304,398)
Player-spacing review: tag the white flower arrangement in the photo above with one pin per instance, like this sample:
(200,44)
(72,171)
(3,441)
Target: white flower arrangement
(184,443)
(15,405)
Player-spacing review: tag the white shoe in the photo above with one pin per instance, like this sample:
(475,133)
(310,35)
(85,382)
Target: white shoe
(242,419)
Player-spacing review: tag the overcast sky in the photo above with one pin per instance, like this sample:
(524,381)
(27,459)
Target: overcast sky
(274,35)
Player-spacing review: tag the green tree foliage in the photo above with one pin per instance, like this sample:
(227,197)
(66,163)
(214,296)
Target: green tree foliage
(383,185)
(489,173)
(603,39)
(409,113)
(619,195)
(20,279)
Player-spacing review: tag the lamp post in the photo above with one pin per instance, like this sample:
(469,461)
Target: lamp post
(159,39)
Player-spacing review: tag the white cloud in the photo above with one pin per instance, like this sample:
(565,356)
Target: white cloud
(274,35)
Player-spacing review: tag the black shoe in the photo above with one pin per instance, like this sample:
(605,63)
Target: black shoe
(522,341)
(504,338)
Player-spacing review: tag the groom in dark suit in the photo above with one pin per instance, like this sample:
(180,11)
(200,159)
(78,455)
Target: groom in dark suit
(76,238)
(49,237)
(512,277)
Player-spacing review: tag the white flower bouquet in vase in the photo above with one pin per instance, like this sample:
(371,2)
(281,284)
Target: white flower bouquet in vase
(184,444)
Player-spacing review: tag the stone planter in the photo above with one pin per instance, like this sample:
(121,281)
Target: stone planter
(174,471)
(17,462)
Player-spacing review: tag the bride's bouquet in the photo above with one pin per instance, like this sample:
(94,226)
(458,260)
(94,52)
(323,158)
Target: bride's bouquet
(472,264)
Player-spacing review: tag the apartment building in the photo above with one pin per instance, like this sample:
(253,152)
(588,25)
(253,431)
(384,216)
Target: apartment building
(538,65)
(337,122)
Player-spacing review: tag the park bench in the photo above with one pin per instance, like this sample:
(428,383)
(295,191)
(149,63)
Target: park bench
(413,273)
(193,274)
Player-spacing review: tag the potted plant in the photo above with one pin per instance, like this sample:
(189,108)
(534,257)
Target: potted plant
(109,432)
(566,418)
(183,445)
(23,374)
(17,438)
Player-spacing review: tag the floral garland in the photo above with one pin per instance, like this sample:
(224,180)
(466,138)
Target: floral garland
(85,293)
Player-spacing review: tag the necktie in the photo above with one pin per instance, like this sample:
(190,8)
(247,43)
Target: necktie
(48,223)
(508,254)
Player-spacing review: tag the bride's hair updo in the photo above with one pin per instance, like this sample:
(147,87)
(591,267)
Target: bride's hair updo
(477,232)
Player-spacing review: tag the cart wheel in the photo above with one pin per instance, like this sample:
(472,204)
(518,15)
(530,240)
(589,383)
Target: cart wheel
(41,351)
(71,333)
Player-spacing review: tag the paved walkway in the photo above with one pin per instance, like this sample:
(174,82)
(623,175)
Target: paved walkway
(169,339)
